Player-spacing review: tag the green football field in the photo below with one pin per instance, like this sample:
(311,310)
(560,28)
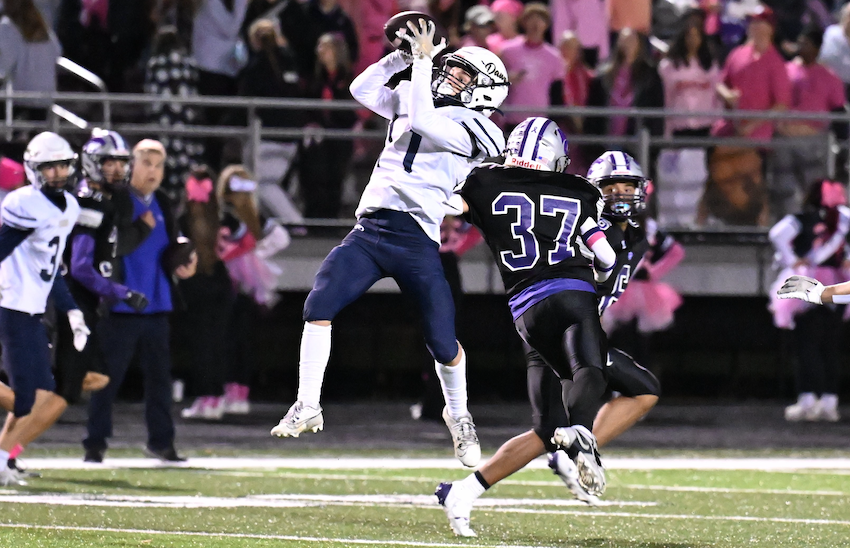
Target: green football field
(769,502)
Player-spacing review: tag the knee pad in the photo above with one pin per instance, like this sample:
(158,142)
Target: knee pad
(545,433)
(23,404)
(316,308)
(443,352)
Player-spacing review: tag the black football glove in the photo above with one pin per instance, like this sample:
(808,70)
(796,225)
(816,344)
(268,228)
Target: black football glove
(136,300)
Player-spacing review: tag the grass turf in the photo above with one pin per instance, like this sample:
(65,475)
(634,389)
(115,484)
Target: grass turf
(691,509)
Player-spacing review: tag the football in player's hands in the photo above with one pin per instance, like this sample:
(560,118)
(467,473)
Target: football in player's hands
(398,23)
(803,288)
(178,254)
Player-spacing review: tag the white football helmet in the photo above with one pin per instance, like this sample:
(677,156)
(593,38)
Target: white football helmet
(538,143)
(488,87)
(47,148)
(103,145)
(615,166)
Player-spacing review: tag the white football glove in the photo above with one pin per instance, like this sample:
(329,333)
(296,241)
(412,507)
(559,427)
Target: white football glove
(803,288)
(79,328)
(422,39)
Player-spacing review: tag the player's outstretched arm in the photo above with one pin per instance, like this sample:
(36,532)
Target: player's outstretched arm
(812,291)
(369,90)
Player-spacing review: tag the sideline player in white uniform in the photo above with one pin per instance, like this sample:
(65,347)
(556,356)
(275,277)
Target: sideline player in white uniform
(439,130)
(36,222)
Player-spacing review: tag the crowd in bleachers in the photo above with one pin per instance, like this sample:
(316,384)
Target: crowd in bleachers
(683,54)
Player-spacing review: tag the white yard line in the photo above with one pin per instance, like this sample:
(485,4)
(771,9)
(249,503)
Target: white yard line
(779,464)
(321,540)
(507,506)
(280,501)
(525,483)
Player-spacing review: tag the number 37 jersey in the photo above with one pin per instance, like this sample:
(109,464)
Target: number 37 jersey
(538,224)
(26,276)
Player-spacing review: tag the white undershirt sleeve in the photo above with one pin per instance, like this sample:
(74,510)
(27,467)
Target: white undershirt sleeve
(781,235)
(369,89)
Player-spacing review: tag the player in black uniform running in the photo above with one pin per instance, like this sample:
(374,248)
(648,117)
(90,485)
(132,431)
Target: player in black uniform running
(542,226)
(623,185)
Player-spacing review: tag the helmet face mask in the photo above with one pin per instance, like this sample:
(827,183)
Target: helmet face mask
(103,146)
(622,206)
(618,167)
(538,143)
(47,150)
(488,85)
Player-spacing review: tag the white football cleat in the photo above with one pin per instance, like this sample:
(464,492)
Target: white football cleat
(206,407)
(580,445)
(464,438)
(801,412)
(565,468)
(300,418)
(10,476)
(457,510)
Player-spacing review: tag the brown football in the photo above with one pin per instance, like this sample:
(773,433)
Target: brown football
(399,21)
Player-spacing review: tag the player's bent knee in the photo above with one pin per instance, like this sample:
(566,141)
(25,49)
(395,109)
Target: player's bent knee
(647,402)
(316,309)
(545,434)
(443,352)
(23,405)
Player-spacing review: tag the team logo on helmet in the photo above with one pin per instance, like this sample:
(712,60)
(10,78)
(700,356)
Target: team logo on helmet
(488,84)
(538,143)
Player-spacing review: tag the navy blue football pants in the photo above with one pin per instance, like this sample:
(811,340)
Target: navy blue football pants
(26,357)
(388,244)
(122,336)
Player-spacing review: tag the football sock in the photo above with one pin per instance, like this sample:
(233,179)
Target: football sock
(481,480)
(583,400)
(470,487)
(16,450)
(453,383)
(315,353)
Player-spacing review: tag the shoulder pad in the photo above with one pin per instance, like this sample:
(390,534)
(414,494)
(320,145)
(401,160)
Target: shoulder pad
(25,208)
(488,136)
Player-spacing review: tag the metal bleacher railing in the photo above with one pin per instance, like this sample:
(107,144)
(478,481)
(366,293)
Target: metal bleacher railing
(716,253)
(641,145)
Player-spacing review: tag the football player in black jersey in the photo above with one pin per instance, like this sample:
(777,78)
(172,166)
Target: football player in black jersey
(541,225)
(104,232)
(623,187)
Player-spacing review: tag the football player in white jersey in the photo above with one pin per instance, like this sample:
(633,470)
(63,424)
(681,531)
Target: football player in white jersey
(438,131)
(36,222)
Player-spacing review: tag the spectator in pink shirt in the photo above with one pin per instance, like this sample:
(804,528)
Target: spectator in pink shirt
(576,89)
(478,25)
(814,88)
(690,75)
(506,14)
(535,68)
(754,78)
(629,79)
(588,19)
